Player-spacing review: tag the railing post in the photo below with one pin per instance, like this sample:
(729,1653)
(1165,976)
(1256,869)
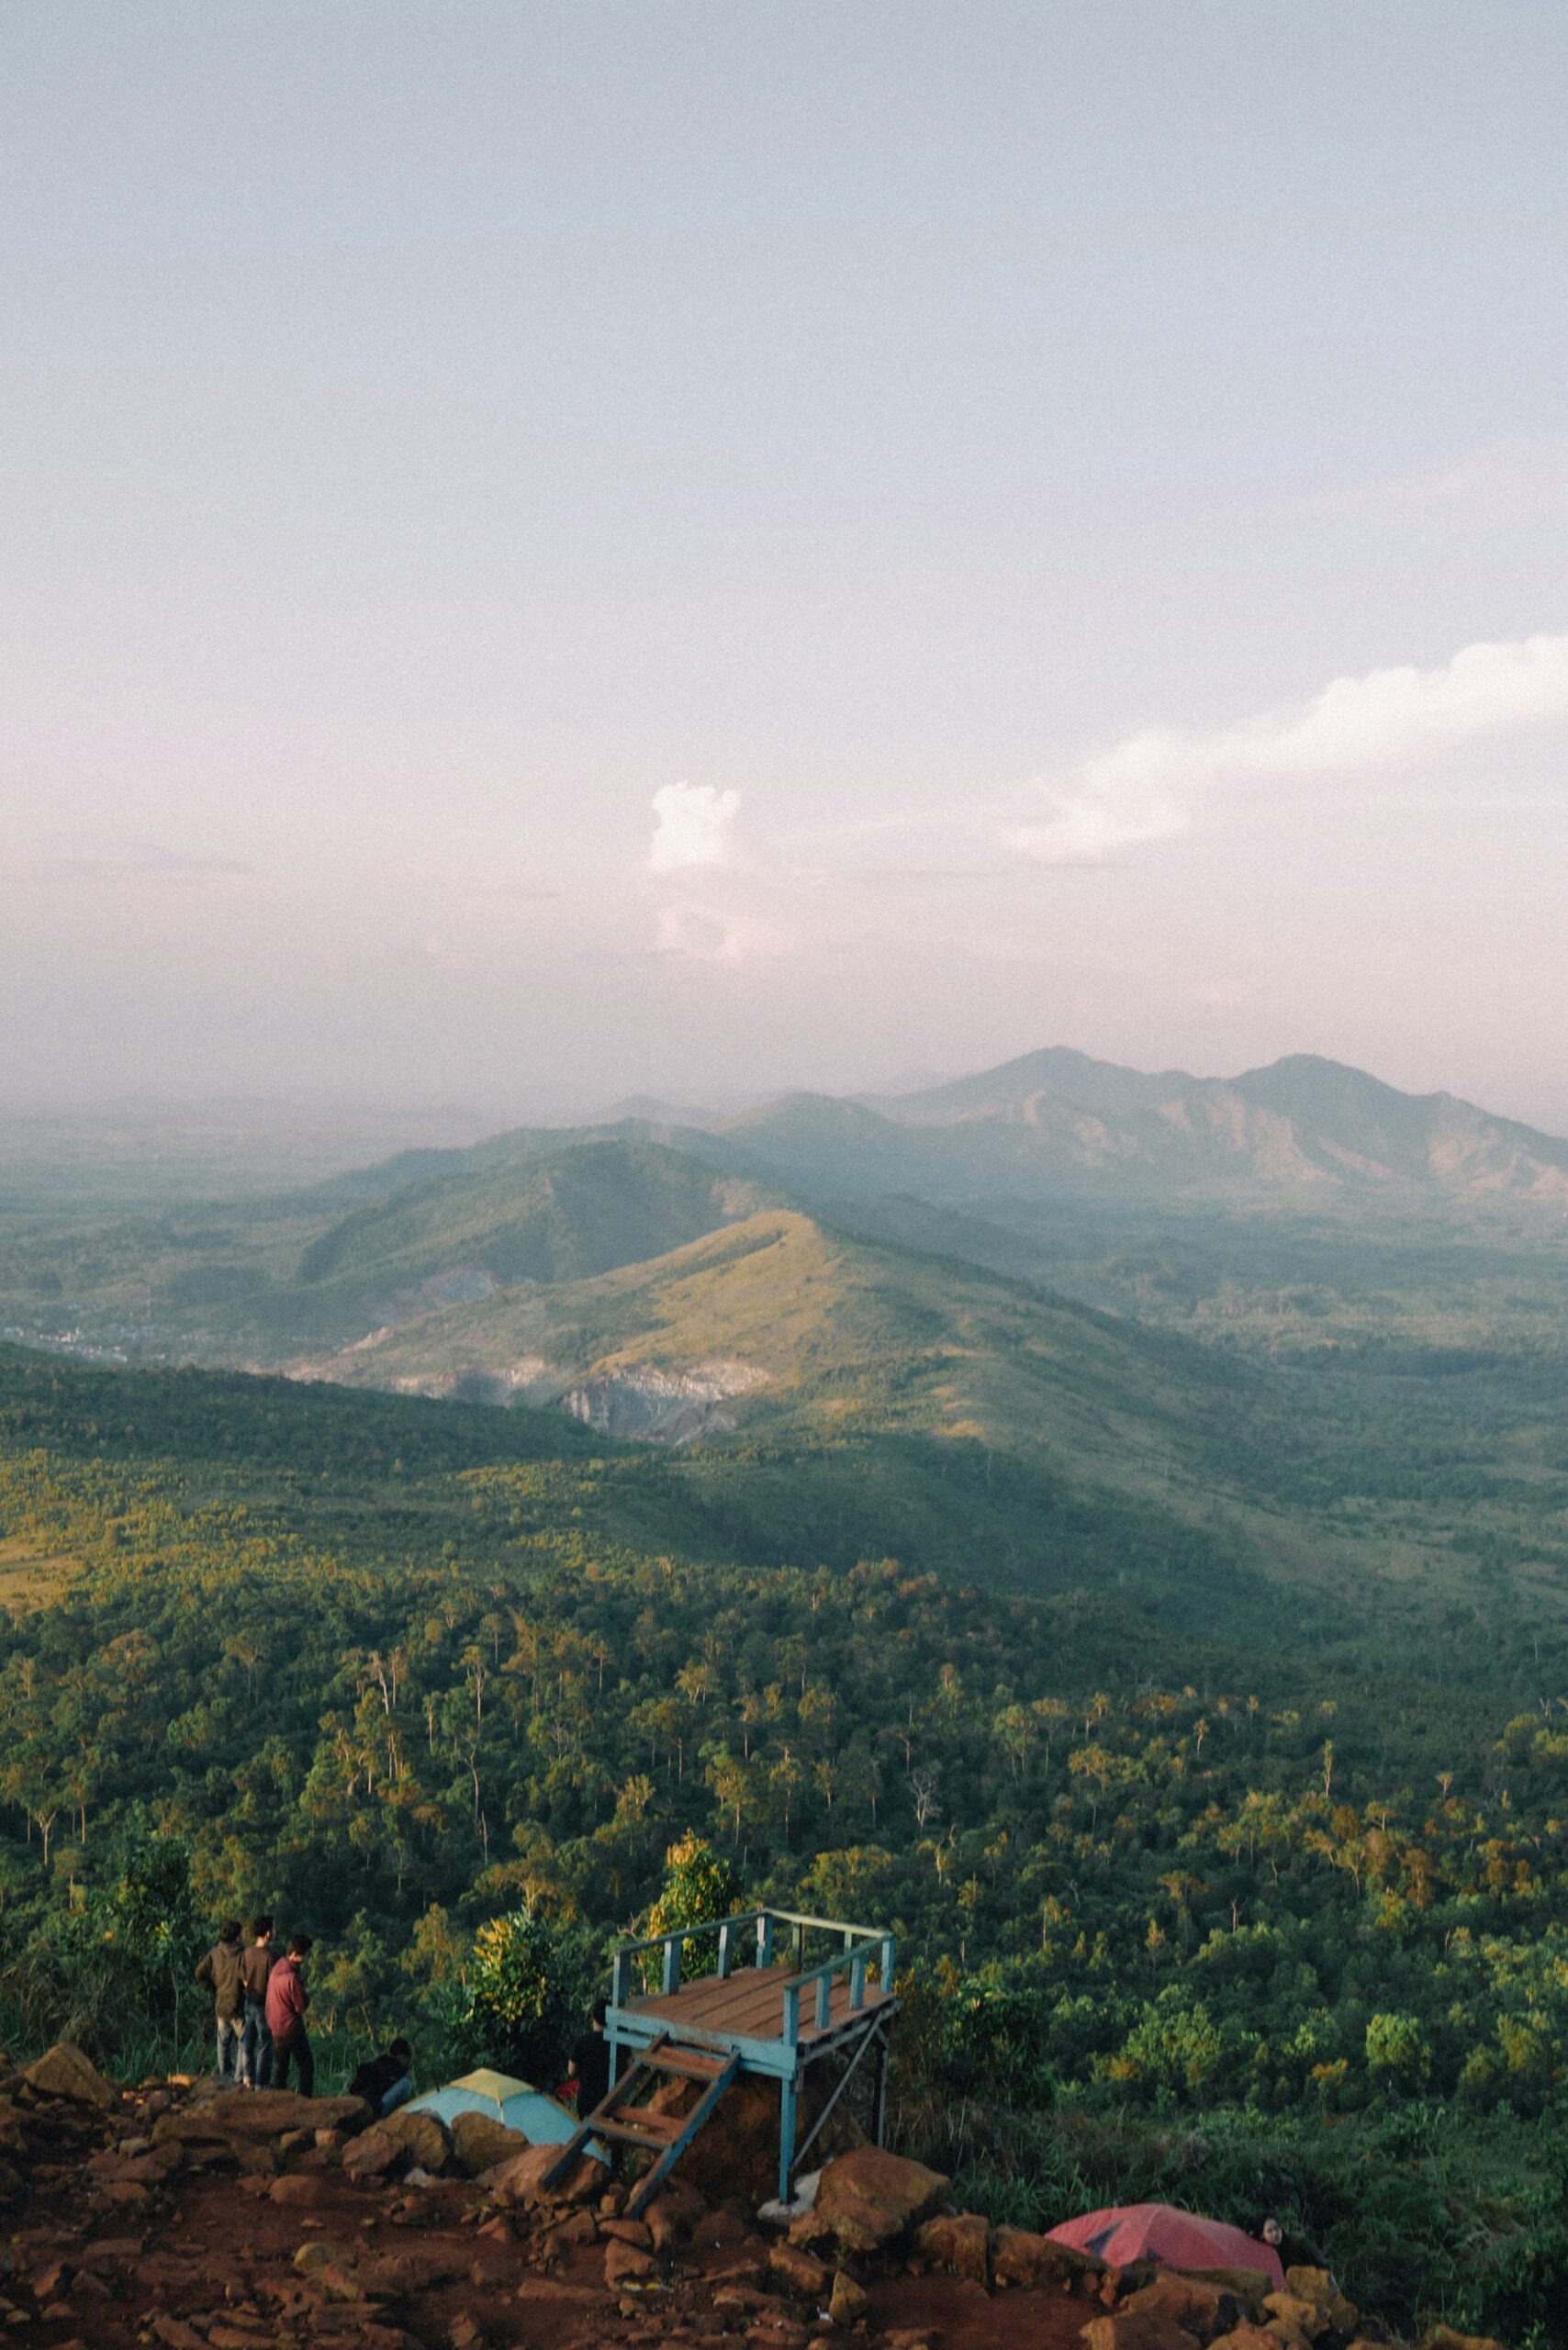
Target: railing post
(825,2001)
(672,1965)
(618,1978)
(887,1963)
(791,2014)
(786,2136)
(857,1980)
(725,1931)
(763,1938)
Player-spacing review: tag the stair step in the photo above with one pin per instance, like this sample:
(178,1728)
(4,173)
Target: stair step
(647,2130)
(690,2063)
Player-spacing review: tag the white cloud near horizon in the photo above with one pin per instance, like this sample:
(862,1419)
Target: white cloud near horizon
(692,826)
(1145,787)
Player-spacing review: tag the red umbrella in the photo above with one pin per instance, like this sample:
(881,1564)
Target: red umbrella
(1132,2231)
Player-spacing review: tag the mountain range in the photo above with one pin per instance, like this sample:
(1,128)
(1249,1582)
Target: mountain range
(1304,1131)
(678,1279)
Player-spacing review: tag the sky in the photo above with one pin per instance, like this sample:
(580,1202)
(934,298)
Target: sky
(628,546)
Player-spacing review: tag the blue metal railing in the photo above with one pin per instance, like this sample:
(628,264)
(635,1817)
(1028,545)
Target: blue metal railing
(860,1946)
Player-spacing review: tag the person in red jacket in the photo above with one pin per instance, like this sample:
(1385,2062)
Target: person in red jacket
(287,2000)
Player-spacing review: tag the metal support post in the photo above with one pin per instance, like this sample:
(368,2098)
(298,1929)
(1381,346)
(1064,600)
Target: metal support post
(786,2136)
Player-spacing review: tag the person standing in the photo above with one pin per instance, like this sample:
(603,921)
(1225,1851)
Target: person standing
(219,1972)
(256,2040)
(287,2000)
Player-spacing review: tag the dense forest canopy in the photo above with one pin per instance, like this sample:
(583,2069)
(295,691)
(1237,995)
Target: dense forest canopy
(395,1670)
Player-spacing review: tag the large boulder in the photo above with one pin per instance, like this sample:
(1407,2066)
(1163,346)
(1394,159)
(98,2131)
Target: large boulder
(422,2137)
(960,2241)
(870,2198)
(64,2071)
(518,2185)
(481,2143)
(1021,2258)
(1201,2308)
(404,2141)
(1331,2312)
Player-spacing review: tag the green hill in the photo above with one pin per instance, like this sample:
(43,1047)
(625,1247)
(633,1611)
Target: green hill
(561,1216)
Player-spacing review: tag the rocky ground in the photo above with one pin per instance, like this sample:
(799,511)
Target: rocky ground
(174,2216)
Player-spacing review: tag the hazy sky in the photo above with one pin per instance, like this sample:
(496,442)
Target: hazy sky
(636,545)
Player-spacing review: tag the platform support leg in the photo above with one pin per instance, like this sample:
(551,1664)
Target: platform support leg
(786,2137)
(879,2093)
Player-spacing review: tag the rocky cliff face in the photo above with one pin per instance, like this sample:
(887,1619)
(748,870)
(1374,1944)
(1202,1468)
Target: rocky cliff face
(658,1406)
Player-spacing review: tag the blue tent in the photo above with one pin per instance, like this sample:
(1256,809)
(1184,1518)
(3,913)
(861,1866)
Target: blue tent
(517,2103)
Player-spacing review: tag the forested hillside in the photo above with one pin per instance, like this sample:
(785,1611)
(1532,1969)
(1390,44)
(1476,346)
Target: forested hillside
(395,1669)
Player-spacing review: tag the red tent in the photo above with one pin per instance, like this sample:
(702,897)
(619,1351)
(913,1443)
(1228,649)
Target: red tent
(1158,2232)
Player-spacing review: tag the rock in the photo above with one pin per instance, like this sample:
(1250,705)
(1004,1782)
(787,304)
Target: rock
(1297,2314)
(1248,2285)
(517,2182)
(1443,2337)
(1136,2330)
(793,2271)
(623,2261)
(50,2282)
(673,2212)
(305,2191)
(313,2255)
(420,2268)
(336,2284)
(481,2143)
(1119,2284)
(174,2333)
(869,2198)
(737,2153)
(64,2071)
(957,2242)
(579,2227)
(1021,2258)
(1203,2310)
(421,2136)
(374,2154)
(846,2303)
(463,2333)
(268,2113)
(633,2231)
(1246,2336)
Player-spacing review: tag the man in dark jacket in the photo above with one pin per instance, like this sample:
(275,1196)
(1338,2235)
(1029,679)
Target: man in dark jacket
(219,1972)
(385,2082)
(287,2000)
(589,2066)
(255,1968)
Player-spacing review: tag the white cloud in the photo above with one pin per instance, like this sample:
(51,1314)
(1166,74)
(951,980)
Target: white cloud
(691,826)
(1144,788)
(705,936)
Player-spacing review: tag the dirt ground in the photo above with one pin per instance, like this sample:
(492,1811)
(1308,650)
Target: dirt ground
(114,2242)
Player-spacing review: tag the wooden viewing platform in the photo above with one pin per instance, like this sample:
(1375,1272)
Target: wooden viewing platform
(759,2008)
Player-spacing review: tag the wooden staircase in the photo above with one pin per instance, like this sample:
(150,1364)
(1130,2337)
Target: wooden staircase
(618,2121)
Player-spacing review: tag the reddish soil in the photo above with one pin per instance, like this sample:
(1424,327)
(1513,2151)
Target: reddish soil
(114,2244)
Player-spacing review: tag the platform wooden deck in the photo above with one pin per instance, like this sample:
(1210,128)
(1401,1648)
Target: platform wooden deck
(749,2005)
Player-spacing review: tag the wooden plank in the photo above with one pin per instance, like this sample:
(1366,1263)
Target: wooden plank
(755,2010)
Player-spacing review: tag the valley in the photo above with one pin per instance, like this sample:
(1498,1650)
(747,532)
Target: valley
(1155,1605)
